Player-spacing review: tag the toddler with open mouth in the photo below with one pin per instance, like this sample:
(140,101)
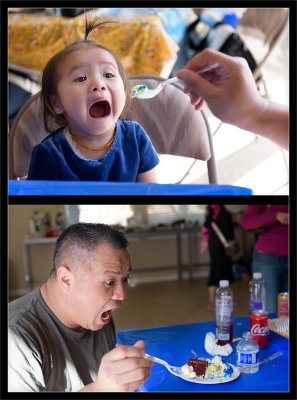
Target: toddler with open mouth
(86,91)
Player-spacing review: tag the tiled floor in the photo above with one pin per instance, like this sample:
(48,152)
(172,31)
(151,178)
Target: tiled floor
(172,302)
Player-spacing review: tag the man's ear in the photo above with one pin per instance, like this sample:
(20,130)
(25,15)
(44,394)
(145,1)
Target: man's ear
(55,104)
(65,278)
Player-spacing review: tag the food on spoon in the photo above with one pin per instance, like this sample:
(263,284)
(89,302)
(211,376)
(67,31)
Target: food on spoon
(206,368)
(138,89)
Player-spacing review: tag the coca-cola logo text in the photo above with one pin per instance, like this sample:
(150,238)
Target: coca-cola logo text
(258,330)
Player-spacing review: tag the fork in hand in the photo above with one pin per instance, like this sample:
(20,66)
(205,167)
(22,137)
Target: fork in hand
(173,370)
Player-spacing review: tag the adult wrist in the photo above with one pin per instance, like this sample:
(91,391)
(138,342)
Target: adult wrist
(255,117)
(91,387)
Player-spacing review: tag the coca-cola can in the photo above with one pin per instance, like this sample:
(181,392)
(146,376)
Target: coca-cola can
(259,327)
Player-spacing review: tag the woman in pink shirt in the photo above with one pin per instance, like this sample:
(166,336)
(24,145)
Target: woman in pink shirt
(270,254)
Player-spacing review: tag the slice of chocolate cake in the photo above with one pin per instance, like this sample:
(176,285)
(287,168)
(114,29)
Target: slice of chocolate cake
(199,366)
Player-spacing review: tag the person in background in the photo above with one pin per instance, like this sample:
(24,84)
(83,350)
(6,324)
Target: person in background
(270,253)
(231,94)
(220,263)
(61,335)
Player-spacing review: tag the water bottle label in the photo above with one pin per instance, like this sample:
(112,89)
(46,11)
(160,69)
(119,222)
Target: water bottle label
(223,332)
(255,305)
(224,309)
(248,359)
(223,336)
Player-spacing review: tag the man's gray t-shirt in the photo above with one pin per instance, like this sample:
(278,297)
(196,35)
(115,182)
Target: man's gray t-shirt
(44,355)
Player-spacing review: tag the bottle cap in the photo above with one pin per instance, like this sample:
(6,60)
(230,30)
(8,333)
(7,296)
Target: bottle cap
(224,283)
(257,275)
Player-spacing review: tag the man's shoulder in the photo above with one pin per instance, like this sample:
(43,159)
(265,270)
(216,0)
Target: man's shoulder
(17,308)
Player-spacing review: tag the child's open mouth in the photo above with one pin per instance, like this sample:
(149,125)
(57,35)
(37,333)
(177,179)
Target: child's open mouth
(100,109)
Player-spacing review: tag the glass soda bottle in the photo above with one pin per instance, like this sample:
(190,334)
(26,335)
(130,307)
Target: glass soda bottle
(257,293)
(247,354)
(224,314)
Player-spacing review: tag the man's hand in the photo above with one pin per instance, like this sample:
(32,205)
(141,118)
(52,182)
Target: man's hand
(122,369)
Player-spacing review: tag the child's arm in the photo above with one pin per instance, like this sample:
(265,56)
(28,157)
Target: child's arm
(149,176)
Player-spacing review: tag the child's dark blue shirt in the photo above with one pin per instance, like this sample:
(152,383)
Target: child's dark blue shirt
(131,153)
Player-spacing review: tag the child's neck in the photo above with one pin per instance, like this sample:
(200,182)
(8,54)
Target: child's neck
(93,141)
(93,147)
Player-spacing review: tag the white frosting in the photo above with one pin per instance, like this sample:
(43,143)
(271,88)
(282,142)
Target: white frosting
(188,371)
(216,368)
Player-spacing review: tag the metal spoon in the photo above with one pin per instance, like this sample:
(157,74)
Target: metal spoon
(149,93)
(272,357)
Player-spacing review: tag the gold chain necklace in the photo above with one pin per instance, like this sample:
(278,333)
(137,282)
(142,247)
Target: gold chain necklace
(105,146)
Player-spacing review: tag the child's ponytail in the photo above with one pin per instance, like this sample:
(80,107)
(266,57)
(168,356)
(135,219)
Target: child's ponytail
(94,23)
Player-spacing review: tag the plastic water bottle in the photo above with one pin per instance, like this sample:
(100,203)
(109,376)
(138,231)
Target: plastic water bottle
(224,314)
(257,293)
(247,354)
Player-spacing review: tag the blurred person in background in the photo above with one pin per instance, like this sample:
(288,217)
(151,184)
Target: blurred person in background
(270,253)
(220,262)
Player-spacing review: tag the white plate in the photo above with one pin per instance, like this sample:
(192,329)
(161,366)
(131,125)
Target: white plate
(200,379)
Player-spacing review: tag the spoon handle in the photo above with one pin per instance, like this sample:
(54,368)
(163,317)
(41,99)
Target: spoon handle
(208,68)
(171,80)
(272,357)
(200,71)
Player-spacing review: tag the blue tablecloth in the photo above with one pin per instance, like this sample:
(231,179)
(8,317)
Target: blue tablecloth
(83,188)
(174,343)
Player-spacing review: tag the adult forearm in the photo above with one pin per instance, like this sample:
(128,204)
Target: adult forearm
(273,124)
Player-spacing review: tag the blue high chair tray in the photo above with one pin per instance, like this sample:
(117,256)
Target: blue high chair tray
(83,188)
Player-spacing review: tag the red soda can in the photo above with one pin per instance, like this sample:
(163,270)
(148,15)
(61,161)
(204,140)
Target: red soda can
(259,327)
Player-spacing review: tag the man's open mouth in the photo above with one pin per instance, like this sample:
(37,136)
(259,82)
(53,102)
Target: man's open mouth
(100,109)
(105,317)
